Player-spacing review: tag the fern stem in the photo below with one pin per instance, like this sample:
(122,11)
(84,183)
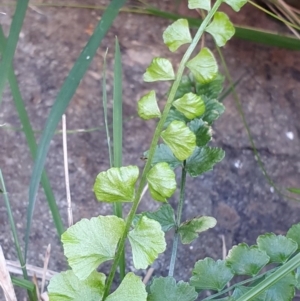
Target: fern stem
(154,142)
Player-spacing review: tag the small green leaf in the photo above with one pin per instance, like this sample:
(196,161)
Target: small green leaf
(241,290)
(147,106)
(66,286)
(190,105)
(267,295)
(89,243)
(202,4)
(204,66)
(177,34)
(282,290)
(131,289)
(147,241)
(245,260)
(190,229)
(236,4)
(164,215)
(159,69)
(211,275)
(164,154)
(294,190)
(116,184)
(202,131)
(213,110)
(279,248)
(210,90)
(221,28)
(180,139)
(166,289)
(175,115)
(161,181)
(203,159)
(294,234)
(186,85)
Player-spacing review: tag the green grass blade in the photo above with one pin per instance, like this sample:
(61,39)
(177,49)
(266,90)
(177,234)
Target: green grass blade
(117,112)
(104,100)
(281,272)
(64,97)
(15,235)
(245,33)
(23,283)
(294,190)
(12,41)
(230,89)
(118,133)
(29,134)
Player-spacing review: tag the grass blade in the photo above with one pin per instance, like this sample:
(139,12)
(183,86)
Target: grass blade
(104,100)
(118,133)
(23,283)
(117,114)
(245,33)
(12,41)
(230,89)
(15,235)
(281,272)
(64,97)
(294,190)
(29,134)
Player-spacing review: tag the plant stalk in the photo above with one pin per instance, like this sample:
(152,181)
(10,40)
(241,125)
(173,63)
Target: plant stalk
(15,236)
(154,142)
(118,135)
(282,271)
(212,297)
(178,220)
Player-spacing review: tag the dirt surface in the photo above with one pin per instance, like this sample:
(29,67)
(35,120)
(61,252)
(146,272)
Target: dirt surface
(236,192)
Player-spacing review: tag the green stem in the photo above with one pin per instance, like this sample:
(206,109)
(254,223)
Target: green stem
(239,284)
(282,271)
(178,221)
(15,236)
(154,142)
(118,135)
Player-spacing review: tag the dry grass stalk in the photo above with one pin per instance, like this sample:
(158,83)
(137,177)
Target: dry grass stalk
(46,262)
(66,167)
(14,267)
(5,281)
(285,10)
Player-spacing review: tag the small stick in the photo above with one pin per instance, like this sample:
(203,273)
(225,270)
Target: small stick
(46,261)
(148,275)
(67,181)
(224,251)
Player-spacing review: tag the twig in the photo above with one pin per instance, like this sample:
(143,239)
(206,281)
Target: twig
(287,16)
(46,261)
(148,275)
(67,181)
